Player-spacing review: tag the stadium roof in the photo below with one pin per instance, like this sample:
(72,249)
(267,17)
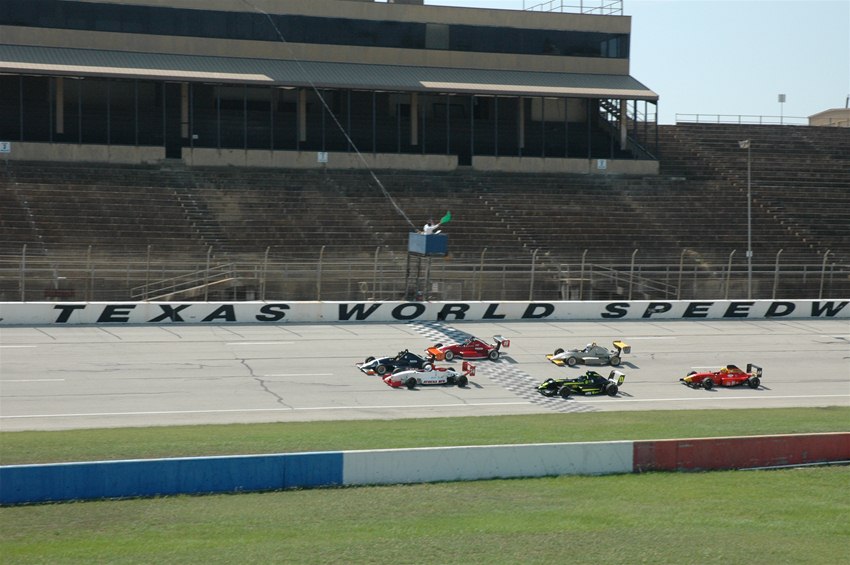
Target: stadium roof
(54,61)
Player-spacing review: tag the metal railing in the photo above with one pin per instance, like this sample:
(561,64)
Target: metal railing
(186,284)
(741,119)
(386,276)
(599,7)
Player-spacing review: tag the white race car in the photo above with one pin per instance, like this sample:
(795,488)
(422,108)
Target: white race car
(411,378)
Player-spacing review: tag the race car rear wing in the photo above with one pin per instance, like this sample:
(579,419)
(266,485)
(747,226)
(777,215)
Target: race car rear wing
(501,342)
(622,347)
(618,377)
(754,370)
(468,369)
(435,354)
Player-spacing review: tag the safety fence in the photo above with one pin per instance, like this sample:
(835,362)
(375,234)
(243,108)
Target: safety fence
(88,276)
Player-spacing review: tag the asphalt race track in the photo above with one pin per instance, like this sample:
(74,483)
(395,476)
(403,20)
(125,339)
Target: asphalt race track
(116,376)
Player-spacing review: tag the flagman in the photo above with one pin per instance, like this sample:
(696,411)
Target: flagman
(431,227)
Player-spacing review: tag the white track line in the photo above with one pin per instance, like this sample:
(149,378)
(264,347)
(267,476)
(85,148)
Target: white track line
(403,406)
(32,380)
(254,410)
(260,343)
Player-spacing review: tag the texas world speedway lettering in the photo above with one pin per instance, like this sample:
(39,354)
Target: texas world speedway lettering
(69,313)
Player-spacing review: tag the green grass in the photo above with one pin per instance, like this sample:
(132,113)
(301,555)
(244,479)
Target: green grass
(182,441)
(771,517)
(785,516)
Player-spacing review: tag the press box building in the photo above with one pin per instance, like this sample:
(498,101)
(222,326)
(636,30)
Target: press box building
(307,83)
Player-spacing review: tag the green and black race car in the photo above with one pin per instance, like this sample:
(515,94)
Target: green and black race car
(588,384)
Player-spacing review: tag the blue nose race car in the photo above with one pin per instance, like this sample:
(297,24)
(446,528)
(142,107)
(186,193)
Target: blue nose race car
(404,360)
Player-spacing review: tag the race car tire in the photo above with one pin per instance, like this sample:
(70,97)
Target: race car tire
(410,383)
(571,361)
(427,366)
(614,360)
(707,384)
(462,381)
(369,359)
(612,389)
(449,355)
(493,355)
(754,382)
(564,392)
(381,370)
(559,351)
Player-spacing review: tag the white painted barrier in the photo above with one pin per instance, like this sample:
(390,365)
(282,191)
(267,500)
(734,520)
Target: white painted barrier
(467,463)
(213,313)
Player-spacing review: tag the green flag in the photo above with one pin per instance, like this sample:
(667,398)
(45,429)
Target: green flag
(446,219)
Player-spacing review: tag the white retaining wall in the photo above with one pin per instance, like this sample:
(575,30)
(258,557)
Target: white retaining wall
(158,313)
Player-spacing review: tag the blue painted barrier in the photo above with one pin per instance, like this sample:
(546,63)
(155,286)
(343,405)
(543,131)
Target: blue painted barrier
(20,484)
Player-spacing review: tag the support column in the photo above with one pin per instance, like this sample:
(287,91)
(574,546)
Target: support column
(521,125)
(60,105)
(302,114)
(624,125)
(184,110)
(414,121)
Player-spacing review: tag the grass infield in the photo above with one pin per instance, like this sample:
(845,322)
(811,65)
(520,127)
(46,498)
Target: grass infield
(188,441)
(783,516)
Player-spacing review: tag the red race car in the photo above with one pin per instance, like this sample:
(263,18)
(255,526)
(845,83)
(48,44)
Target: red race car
(730,375)
(471,348)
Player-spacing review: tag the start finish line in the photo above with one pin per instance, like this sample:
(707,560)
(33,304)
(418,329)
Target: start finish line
(160,313)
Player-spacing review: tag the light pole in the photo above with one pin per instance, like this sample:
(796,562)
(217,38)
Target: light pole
(746,145)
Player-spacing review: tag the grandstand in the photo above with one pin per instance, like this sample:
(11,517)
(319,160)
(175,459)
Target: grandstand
(166,169)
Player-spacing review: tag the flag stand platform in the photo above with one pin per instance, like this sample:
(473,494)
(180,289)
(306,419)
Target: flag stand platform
(421,249)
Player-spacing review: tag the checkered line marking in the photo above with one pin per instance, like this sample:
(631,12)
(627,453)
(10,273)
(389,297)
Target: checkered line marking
(505,374)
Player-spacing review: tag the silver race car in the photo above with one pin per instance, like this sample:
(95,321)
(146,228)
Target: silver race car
(591,354)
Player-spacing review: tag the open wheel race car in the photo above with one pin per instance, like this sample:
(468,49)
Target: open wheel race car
(404,360)
(730,375)
(471,348)
(588,384)
(590,354)
(411,378)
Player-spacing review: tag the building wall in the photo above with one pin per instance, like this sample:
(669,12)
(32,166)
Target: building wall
(838,117)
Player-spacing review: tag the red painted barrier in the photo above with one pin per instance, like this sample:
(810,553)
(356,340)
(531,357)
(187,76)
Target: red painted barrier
(740,452)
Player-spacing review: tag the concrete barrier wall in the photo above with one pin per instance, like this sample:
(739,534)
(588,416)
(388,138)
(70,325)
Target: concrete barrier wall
(468,463)
(21,484)
(158,313)
(740,452)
